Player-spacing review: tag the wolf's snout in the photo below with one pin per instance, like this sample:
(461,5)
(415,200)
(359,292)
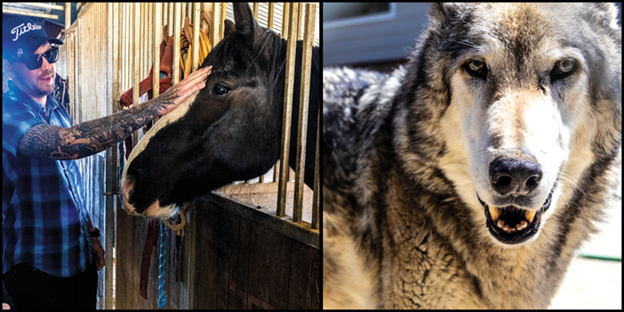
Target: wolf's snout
(518,175)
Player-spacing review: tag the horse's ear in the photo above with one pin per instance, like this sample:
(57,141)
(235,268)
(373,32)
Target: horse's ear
(245,22)
(229,28)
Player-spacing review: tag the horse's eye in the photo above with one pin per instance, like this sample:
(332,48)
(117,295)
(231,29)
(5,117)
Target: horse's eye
(220,90)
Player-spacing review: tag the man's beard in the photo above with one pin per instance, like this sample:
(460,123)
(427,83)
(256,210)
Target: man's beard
(46,89)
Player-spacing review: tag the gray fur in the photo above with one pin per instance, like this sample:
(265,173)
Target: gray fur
(402,227)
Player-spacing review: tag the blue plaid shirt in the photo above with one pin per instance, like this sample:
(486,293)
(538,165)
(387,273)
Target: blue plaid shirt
(44,218)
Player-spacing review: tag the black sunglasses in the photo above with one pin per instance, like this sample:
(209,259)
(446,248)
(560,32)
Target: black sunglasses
(36,60)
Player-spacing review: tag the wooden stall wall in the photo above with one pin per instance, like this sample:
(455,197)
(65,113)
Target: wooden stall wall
(248,259)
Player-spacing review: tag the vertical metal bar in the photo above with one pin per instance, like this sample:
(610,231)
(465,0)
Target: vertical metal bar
(112,60)
(290,73)
(196,24)
(77,64)
(69,39)
(218,16)
(157,39)
(125,33)
(317,187)
(271,15)
(286,13)
(299,23)
(121,34)
(137,61)
(306,65)
(276,171)
(150,36)
(67,16)
(170,22)
(177,26)
(140,40)
(147,42)
(255,10)
(163,18)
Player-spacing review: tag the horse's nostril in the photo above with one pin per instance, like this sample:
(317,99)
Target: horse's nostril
(518,175)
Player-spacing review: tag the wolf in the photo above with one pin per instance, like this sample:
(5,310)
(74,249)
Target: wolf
(469,177)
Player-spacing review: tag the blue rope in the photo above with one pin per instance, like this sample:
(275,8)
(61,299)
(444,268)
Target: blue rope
(162,260)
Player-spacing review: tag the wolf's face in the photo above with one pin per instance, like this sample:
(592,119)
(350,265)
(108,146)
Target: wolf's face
(521,120)
(517,122)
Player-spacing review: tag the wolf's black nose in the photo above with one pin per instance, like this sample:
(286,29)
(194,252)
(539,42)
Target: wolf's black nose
(517,175)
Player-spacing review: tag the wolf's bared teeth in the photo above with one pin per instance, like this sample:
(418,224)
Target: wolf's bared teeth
(494,213)
(506,228)
(521,225)
(529,214)
(500,223)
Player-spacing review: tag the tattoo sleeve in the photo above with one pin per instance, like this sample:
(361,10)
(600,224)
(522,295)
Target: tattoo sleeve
(94,136)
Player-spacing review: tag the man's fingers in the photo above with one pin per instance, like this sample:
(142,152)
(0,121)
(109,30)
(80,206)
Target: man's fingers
(195,81)
(199,75)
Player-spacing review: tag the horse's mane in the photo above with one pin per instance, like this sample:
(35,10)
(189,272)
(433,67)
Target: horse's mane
(269,44)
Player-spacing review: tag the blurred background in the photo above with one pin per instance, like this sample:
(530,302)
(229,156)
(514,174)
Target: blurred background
(373,35)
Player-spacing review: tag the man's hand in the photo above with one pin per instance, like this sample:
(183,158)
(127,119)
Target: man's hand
(98,253)
(177,94)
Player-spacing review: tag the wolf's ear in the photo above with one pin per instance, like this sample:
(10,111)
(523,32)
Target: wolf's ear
(442,12)
(229,27)
(609,11)
(245,22)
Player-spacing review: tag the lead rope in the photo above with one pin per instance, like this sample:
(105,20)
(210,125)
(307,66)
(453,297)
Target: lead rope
(164,234)
(162,261)
(178,227)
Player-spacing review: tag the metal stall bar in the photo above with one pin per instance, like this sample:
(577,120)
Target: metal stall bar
(285,15)
(317,187)
(220,23)
(111,155)
(218,16)
(67,15)
(170,21)
(306,65)
(137,57)
(136,48)
(290,80)
(196,24)
(255,10)
(157,39)
(271,15)
(176,42)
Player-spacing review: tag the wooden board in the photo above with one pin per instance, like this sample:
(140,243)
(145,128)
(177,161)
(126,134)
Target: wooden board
(235,257)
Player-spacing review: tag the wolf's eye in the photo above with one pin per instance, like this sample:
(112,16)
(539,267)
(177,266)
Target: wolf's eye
(563,69)
(476,69)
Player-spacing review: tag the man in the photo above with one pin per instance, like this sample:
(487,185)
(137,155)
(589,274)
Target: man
(51,251)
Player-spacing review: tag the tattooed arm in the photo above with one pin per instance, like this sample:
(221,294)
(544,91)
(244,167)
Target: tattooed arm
(94,136)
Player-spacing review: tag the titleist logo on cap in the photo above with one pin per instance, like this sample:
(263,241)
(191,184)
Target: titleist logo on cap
(21,29)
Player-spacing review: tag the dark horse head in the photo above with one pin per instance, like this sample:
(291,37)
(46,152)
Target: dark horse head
(228,131)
